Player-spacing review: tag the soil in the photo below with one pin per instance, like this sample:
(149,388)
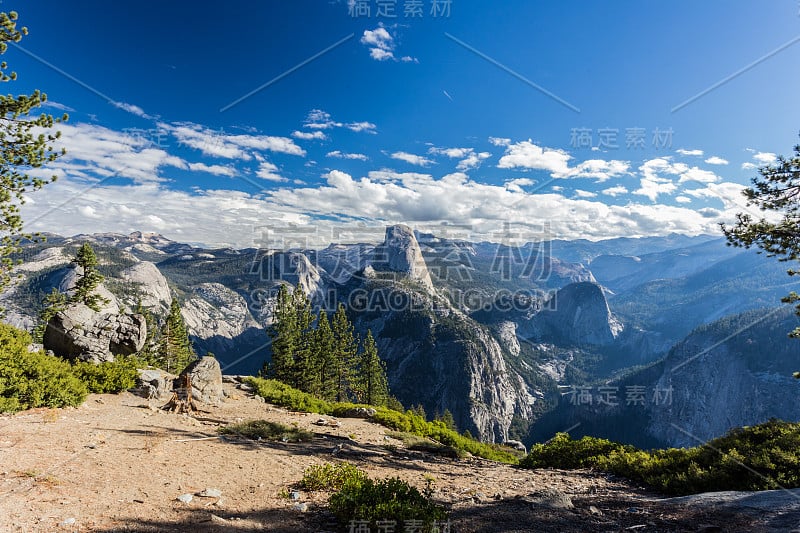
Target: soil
(119,463)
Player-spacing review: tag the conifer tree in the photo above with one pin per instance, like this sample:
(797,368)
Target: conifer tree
(149,353)
(175,350)
(373,388)
(324,357)
(345,349)
(306,373)
(54,302)
(88,279)
(285,338)
(27,143)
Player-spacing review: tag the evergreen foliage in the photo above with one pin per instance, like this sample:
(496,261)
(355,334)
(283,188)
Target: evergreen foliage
(26,143)
(174,349)
(55,302)
(88,279)
(372,387)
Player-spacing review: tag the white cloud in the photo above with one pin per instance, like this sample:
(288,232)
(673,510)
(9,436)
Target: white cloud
(367,127)
(683,199)
(499,141)
(217,170)
(749,166)
(229,146)
(714,160)
(615,191)
(765,158)
(318,119)
(469,158)
(380,43)
(528,155)
(269,171)
(412,159)
(689,152)
(584,194)
(58,105)
(517,184)
(132,109)
(309,135)
(342,155)
(94,151)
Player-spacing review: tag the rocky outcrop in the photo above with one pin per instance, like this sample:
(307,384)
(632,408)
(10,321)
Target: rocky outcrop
(577,313)
(400,254)
(154,291)
(81,333)
(154,383)
(205,377)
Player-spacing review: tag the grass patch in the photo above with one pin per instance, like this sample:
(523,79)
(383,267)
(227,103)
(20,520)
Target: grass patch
(264,430)
(422,444)
(390,499)
(331,476)
(762,457)
(278,393)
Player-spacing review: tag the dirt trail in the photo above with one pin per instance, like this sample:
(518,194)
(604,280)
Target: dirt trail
(118,463)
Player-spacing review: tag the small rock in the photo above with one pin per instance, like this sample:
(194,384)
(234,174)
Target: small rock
(259,399)
(302,507)
(321,422)
(210,493)
(68,522)
(295,495)
(244,387)
(595,511)
(185,498)
(91,445)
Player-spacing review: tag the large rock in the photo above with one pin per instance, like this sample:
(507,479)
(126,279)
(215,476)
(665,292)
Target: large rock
(401,254)
(205,376)
(154,383)
(81,333)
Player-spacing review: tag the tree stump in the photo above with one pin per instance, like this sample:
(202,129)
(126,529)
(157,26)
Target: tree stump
(181,400)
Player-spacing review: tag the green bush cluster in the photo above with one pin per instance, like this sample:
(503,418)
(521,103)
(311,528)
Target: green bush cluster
(33,379)
(390,499)
(331,476)
(766,456)
(279,393)
(108,377)
(265,430)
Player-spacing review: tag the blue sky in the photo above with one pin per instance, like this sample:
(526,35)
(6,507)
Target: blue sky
(572,118)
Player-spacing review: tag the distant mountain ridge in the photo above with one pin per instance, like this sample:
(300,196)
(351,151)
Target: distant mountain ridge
(486,330)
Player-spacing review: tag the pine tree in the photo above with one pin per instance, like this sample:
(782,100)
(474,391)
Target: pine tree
(285,338)
(26,144)
(374,388)
(324,357)
(306,374)
(88,279)
(345,349)
(149,353)
(175,350)
(448,420)
(55,302)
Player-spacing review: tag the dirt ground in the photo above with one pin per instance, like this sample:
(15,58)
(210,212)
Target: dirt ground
(118,463)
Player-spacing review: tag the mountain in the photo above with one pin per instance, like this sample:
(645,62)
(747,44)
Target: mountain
(491,332)
(736,371)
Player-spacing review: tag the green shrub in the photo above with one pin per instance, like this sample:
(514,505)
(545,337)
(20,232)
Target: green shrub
(263,429)
(390,499)
(33,379)
(108,377)
(331,476)
(281,394)
(766,456)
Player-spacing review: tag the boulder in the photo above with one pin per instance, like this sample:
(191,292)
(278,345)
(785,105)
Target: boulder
(205,376)
(517,445)
(78,332)
(154,383)
(359,412)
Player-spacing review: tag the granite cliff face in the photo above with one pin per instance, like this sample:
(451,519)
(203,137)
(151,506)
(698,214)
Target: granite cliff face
(400,254)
